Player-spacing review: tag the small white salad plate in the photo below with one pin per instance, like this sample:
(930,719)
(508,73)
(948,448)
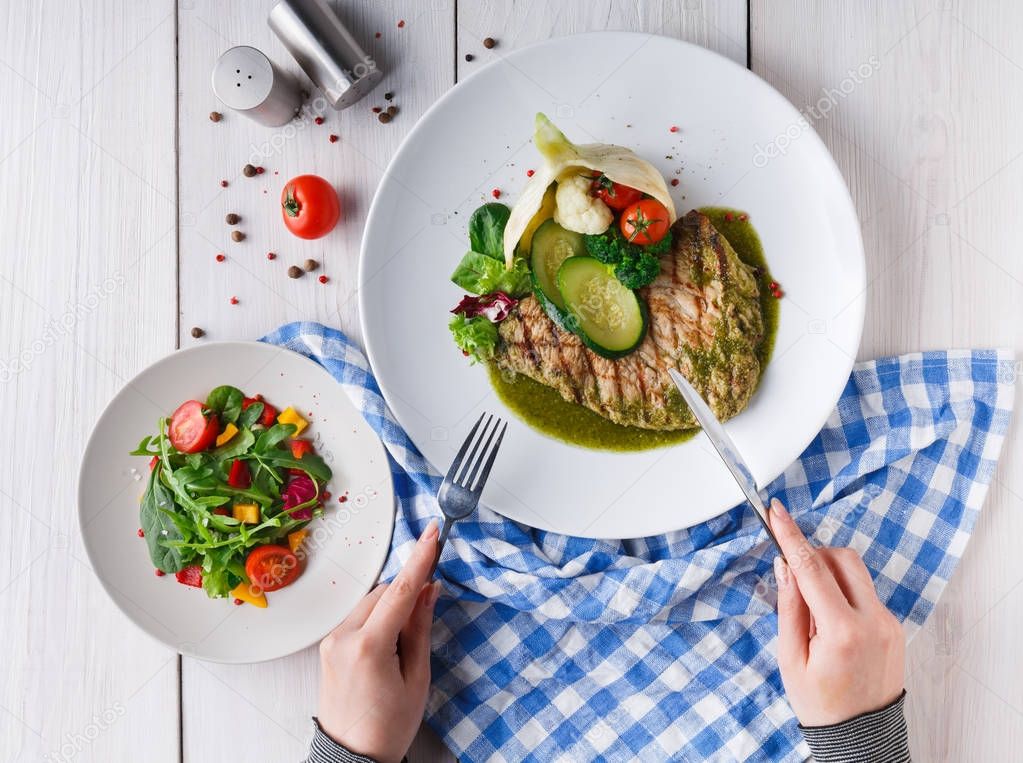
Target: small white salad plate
(738,143)
(348,544)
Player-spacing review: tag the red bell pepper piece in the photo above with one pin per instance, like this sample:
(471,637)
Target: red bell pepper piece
(239,476)
(190,576)
(300,447)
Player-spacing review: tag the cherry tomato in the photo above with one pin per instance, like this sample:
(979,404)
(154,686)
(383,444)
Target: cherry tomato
(310,207)
(615,195)
(191,428)
(645,222)
(272,567)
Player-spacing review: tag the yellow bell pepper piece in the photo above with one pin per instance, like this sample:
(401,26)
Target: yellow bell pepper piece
(247,513)
(229,431)
(241,591)
(295,539)
(290,416)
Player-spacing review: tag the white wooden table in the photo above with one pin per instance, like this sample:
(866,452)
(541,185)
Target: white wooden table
(112,214)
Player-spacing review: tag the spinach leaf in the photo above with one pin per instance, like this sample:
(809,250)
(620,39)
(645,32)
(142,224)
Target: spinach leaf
(226,401)
(250,415)
(156,519)
(486,230)
(481,274)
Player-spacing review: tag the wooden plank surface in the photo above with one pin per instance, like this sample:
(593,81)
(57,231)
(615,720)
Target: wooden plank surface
(927,143)
(87,189)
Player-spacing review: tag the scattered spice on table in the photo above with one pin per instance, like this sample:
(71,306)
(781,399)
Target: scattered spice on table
(271,256)
(260,170)
(234,300)
(377,109)
(295,272)
(238,602)
(674,181)
(310,265)
(198,333)
(469,56)
(237,235)
(489,42)
(141,533)
(388,96)
(378,35)
(318,120)
(401,24)
(385,118)
(249,171)
(216,116)
(221,257)
(332,138)
(232,218)
(323,279)
(673,128)
(530,173)
(223,184)
(496,193)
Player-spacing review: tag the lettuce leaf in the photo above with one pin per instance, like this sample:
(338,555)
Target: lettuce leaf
(479,273)
(476,337)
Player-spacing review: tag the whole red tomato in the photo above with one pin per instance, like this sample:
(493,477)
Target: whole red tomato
(645,222)
(615,195)
(309,206)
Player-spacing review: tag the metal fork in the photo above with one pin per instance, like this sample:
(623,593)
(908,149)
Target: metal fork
(459,493)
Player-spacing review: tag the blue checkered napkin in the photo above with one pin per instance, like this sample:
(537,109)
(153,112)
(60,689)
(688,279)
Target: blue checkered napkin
(548,647)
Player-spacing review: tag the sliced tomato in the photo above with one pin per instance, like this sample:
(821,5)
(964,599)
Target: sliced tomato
(153,462)
(615,195)
(300,447)
(272,567)
(239,475)
(192,428)
(190,576)
(269,415)
(645,222)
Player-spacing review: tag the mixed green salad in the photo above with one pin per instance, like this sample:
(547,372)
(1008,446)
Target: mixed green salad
(231,490)
(587,233)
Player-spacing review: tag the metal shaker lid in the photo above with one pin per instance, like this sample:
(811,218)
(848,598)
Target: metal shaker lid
(327,52)
(245,80)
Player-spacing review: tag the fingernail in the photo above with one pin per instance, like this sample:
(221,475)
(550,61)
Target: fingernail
(778,509)
(781,572)
(430,533)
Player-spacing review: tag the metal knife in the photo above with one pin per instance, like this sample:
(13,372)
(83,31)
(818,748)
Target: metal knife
(726,449)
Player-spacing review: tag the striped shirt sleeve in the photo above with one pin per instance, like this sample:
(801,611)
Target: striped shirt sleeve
(325,750)
(877,737)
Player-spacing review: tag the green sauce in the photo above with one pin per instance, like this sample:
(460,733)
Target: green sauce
(545,410)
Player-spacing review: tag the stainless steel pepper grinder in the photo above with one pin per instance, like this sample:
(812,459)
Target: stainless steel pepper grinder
(327,52)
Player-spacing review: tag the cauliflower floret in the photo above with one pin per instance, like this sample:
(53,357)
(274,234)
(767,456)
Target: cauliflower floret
(577,210)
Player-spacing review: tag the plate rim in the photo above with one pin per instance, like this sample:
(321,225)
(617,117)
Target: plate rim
(90,444)
(857,308)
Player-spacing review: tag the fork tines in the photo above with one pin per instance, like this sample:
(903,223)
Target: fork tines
(484,451)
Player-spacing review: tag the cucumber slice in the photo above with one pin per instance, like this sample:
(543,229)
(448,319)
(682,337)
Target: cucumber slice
(551,246)
(609,318)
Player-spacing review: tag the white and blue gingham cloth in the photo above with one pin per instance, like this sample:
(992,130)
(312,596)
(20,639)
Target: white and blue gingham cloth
(549,648)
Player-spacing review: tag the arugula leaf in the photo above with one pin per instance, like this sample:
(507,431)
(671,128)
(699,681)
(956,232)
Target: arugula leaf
(250,415)
(486,230)
(238,445)
(143,448)
(226,401)
(268,440)
(156,519)
(310,463)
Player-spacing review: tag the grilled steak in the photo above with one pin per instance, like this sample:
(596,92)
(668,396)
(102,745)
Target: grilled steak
(705,320)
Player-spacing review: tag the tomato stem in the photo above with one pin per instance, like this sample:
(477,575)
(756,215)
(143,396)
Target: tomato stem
(291,205)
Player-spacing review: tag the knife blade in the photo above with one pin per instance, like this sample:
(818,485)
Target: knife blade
(726,449)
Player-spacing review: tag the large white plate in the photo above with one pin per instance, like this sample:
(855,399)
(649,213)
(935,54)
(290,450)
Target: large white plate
(739,144)
(348,545)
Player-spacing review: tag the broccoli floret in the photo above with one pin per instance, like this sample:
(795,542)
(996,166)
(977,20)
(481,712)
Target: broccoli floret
(634,265)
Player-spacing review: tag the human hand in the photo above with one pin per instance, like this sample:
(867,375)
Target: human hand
(375,666)
(841,652)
